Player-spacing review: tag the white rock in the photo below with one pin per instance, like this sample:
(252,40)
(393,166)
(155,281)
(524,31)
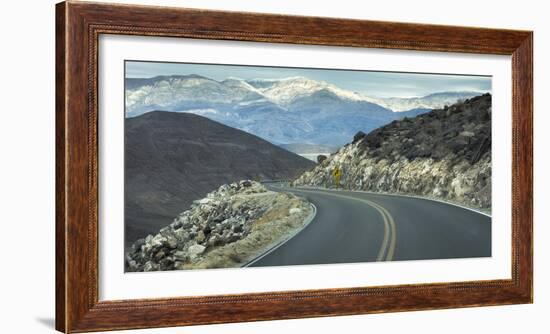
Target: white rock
(200,236)
(294,211)
(204,201)
(467,134)
(180,255)
(148,266)
(195,251)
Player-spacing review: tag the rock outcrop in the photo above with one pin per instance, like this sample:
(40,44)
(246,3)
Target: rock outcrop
(444,154)
(227,228)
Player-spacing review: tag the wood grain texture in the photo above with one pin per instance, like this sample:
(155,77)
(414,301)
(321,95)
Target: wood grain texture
(78,28)
(60,180)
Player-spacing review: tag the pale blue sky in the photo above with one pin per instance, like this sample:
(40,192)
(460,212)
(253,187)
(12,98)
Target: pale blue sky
(378,84)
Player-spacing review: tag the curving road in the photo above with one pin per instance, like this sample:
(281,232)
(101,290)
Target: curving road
(363,227)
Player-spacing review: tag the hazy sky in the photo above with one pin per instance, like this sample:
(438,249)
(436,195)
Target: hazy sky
(378,84)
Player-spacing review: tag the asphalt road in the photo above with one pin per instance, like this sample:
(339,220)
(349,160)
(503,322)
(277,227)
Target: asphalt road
(362,227)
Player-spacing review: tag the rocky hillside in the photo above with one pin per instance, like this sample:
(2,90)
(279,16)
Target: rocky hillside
(227,228)
(172,159)
(443,154)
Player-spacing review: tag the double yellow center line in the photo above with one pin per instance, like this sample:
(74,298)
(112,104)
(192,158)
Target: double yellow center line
(387,249)
(389,233)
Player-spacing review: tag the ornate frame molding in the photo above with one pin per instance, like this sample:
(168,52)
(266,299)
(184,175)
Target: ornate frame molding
(78,27)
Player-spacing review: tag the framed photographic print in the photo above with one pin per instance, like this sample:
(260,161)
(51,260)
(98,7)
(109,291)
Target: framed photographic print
(222,166)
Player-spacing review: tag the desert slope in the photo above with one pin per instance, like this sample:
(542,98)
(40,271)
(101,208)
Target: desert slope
(172,159)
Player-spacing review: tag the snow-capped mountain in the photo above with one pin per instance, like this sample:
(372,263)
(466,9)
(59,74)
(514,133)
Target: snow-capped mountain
(282,111)
(184,92)
(144,95)
(285,91)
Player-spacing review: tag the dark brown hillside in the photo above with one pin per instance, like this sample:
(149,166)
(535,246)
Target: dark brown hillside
(172,159)
(460,132)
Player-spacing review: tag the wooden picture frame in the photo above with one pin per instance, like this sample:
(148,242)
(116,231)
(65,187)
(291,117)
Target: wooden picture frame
(78,27)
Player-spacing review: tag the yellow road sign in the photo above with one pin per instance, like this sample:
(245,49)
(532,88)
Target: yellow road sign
(336,173)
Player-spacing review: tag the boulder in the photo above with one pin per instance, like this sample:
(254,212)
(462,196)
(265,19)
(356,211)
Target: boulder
(195,250)
(294,211)
(200,237)
(245,184)
(358,136)
(181,256)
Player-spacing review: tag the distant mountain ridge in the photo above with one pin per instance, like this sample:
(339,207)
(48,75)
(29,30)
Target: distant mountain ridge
(431,101)
(172,159)
(282,111)
(309,148)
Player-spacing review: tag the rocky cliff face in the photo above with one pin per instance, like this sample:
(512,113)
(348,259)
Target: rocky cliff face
(227,228)
(443,154)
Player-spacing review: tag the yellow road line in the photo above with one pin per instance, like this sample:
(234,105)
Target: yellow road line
(390,237)
(391,249)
